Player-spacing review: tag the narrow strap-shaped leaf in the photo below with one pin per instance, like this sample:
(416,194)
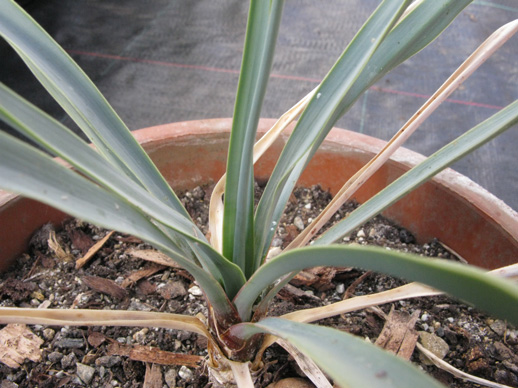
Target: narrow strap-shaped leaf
(407,291)
(455,150)
(465,70)
(412,33)
(260,147)
(60,141)
(263,24)
(319,116)
(92,317)
(462,281)
(29,172)
(473,139)
(78,96)
(349,360)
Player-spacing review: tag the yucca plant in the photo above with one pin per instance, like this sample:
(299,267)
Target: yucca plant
(115,185)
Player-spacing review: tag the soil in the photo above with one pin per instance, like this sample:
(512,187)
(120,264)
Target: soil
(121,357)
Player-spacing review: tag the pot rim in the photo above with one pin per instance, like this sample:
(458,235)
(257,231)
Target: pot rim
(460,191)
(458,183)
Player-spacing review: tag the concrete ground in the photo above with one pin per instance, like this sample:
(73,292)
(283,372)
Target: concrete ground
(160,61)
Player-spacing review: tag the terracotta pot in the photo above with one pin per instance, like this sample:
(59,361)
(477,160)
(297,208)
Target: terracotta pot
(474,223)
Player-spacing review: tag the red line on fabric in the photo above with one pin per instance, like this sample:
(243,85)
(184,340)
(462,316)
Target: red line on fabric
(281,76)
(424,96)
(152,62)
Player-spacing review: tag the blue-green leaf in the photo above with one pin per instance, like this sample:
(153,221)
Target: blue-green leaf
(463,145)
(61,142)
(349,360)
(461,281)
(29,172)
(318,118)
(410,35)
(78,96)
(263,24)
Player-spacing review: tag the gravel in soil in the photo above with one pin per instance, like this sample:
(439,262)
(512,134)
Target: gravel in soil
(46,277)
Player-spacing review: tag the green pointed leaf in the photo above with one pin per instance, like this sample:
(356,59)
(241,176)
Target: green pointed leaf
(78,96)
(318,118)
(463,145)
(413,33)
(60,141)
(349,360)
(29,172)
(461,281)
(409,36)
(263,25)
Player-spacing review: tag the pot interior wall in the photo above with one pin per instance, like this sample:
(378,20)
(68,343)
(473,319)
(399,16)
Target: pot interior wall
(19,219)
(187,160)
(430,211)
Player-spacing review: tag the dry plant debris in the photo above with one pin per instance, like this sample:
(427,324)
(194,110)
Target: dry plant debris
(130,357)
(17,343)
(398,335)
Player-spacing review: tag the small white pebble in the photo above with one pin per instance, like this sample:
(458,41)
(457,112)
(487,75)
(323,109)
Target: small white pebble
(274,251)
(297,221)
(140,335)
(185,373)
(195,291)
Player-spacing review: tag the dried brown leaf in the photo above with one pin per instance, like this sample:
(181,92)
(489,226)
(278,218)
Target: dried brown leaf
(317,277)
(80,240)
(140,274)
(153,256)
(304,278)
(105,286)
(95,339)
(173,290)
(146,288)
